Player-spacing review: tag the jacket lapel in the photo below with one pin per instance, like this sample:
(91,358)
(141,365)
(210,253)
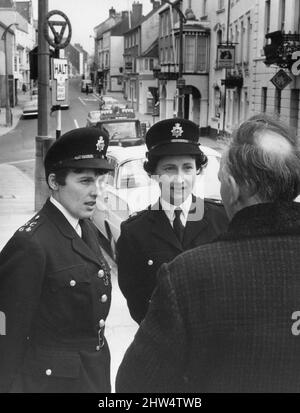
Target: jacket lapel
(59,220)
(161,227)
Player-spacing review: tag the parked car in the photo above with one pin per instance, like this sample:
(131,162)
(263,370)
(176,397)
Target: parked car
(30,108)
(128,188)
(87,83)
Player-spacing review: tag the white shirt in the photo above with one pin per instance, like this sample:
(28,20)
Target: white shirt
(73,221)
(169,210)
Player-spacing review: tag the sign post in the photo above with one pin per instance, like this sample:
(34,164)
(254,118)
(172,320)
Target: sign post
(59,88)
(59,66)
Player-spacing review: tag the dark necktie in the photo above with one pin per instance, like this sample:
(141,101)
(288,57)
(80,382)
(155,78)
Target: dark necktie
(177,224)
(84,235)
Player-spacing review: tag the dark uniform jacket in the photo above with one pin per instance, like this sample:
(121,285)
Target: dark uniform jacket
(54,290)
(225,316)
(148,240)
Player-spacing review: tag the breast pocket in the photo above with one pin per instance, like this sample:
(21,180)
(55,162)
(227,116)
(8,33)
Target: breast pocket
(68,298)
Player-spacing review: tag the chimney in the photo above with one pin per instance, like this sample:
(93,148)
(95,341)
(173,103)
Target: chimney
(155,4)
(137,12)
(112,12)
(124,14)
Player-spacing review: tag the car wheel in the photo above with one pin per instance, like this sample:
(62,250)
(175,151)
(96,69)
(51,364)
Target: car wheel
(112,244)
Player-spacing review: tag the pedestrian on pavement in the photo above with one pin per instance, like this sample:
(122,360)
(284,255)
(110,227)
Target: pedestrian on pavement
(24,88)
(178,221)
(86,89)
(55,287)
(225,316)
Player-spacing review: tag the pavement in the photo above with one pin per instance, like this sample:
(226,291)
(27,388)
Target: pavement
(17,206)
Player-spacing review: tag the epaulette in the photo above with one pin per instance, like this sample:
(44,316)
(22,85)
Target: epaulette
(216,202)
(136,215)
(30,226)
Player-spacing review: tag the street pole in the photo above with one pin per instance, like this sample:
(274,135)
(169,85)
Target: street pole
(7,100)
(180,80)
(43,141)
(225,88)
(180,71)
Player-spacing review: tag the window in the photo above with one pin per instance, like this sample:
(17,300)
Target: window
(151,65)
(221,4)
(219,36)
(267,15)
(242,42)
(238,46)
(281,24)
(264,96)
(248,44)
(204,8)
(201,54)
(195,53)
(294,108)
(278,101)
(189,53)
(297,17)
(146,64)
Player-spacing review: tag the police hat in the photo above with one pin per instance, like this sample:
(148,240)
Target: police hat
(79,148)
(173,137)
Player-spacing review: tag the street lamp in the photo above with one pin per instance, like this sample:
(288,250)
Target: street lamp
(7,103)
(180,80)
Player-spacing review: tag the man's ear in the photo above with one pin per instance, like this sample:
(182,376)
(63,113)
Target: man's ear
(52,182)
(235,191)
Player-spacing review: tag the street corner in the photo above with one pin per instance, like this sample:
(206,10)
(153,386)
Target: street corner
(14,116)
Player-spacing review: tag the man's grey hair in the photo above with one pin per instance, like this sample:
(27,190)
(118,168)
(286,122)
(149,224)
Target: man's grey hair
(271,173)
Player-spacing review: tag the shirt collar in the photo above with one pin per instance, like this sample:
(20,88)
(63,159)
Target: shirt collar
(73,221)
(169,208)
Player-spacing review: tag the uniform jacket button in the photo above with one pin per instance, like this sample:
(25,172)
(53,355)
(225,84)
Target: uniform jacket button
(72,283)
(101,323)
(100,273)
(150,262)
(48,372)
(103,298)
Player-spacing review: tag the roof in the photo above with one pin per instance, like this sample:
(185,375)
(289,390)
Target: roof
(23,7)
(6,4)
(152,50)
(120,28)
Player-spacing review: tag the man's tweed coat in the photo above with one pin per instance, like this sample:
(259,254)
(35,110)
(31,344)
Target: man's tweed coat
(224,316)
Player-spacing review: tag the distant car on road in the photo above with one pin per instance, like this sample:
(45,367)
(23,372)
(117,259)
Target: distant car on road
(87,83)
(128,188)
(30,108)
(110,102)
(120,124)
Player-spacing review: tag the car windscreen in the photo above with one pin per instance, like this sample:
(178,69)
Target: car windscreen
(132,175)
(120,131)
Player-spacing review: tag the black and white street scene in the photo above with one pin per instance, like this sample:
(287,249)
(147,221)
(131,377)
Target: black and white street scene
(150,196)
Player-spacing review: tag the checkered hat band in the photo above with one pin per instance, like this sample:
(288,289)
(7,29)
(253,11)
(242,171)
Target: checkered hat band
(81,157)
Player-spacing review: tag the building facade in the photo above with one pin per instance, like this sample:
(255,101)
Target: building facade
(247,88)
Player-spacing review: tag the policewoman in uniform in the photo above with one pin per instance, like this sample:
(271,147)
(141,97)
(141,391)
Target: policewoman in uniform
(177,222)
(55,287)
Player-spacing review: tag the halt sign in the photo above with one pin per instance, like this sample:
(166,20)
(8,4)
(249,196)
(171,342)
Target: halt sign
(60,81)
